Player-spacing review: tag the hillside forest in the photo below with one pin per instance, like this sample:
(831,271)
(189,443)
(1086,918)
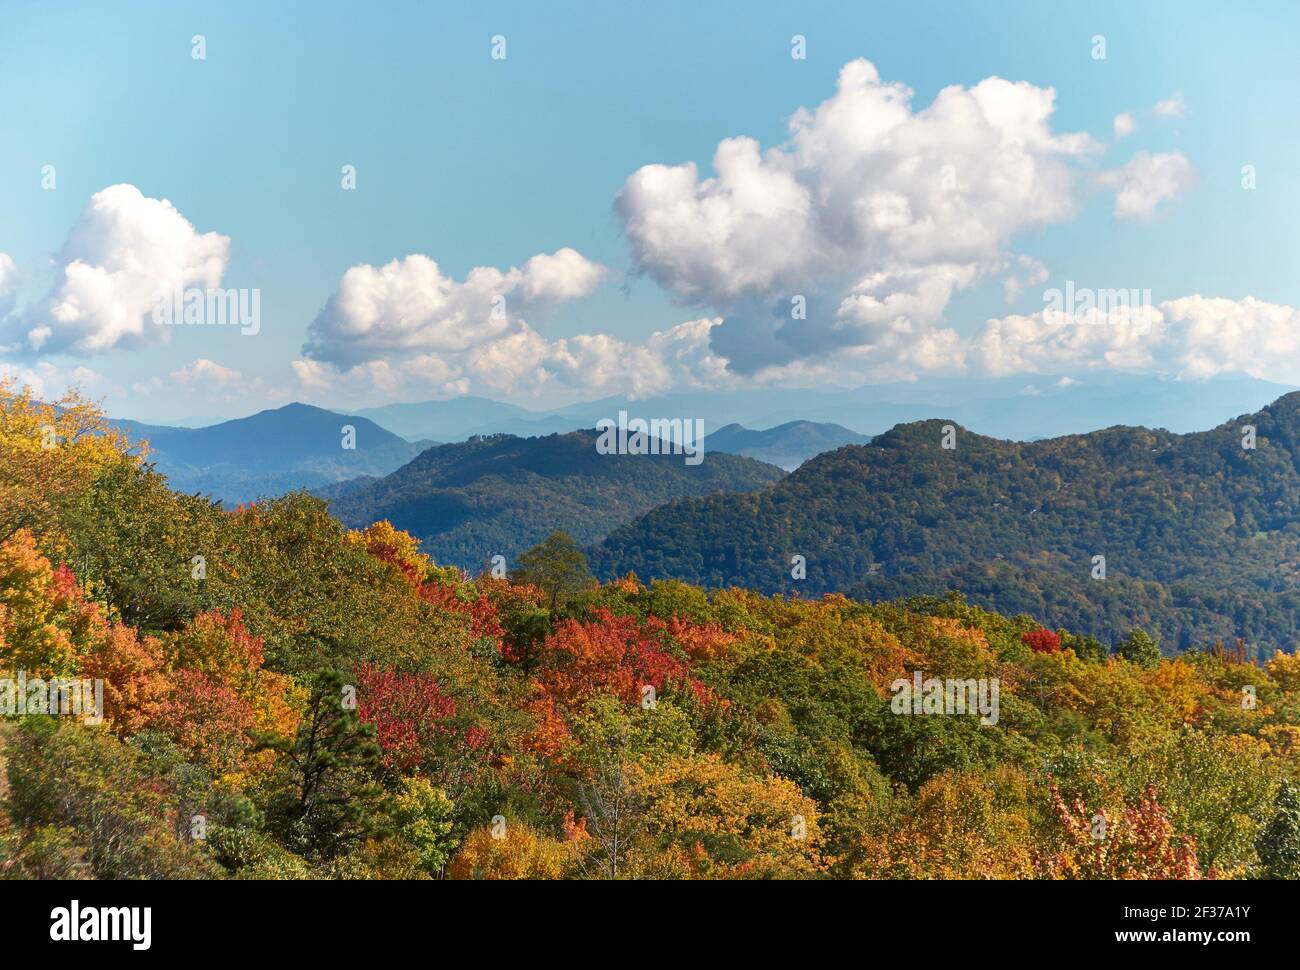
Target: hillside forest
(284,697)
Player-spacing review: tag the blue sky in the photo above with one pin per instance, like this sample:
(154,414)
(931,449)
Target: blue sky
(472,162)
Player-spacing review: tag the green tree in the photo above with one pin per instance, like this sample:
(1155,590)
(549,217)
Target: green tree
(423,815)
(556,566)
(332,800)
(1085,647)
(1138,648)
(617,748)
(1278,843)
(107,803)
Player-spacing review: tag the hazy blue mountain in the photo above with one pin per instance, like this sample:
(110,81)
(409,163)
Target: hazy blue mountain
(1013,408)
(787,446)
(532,427)
(500,495)
(138,430)
(451,420)
(1018,408)
(271,452)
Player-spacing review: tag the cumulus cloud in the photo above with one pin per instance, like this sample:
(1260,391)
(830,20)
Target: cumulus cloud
(48,381)
(207,375)
(410,307)
(1171,107)
(311,373)
(1146,181)
(1192,338)
(204,379)
(408,328)
(559,276)
(1052,341)
(1024,272)
(1217,336)
(1125,125)
(123,253)
(873,212)
(522,361)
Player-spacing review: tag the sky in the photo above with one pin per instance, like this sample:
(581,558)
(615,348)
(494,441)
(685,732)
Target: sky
(559,202)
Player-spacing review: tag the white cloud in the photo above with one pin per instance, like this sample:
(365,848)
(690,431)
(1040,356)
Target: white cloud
(522,362)
(874,212)
(207,375)
(1125,125)
(407,329)
(310,373)
(1191,338)
(48,381)
(1217,336)
(8,284)
(409,307)
(1171,107)
(1025,271)
(204,379)
(1052,341)
(561,276)
(1146,181)
(123,253)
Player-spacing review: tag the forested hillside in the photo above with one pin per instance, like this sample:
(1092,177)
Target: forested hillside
(285,698)
(498,495)
(1201,536)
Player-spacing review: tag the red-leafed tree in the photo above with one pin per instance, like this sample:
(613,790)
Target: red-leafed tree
(411,714)
(609,654)
(482,614)
(1041,640)
(206,718)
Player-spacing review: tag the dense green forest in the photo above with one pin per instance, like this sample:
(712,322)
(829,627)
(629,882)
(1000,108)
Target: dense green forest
(500,494)
(1201,536)
(285,698)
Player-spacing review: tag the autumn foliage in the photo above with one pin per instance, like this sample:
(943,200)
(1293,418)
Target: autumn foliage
(1041,641)
(336,704)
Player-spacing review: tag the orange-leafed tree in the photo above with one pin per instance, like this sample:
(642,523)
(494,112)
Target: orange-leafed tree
(606,654)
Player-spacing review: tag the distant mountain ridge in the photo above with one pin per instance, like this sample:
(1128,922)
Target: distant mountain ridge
(451,420)
(787,446)
(500,495)
(271,452)
(1201,537)
(1019,408)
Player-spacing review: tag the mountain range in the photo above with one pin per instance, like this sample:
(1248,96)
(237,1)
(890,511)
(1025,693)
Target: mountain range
(271,452)
(499,495)
(787,446)
(1200,535)
(1014,408)
(1194,537)
(301,446)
